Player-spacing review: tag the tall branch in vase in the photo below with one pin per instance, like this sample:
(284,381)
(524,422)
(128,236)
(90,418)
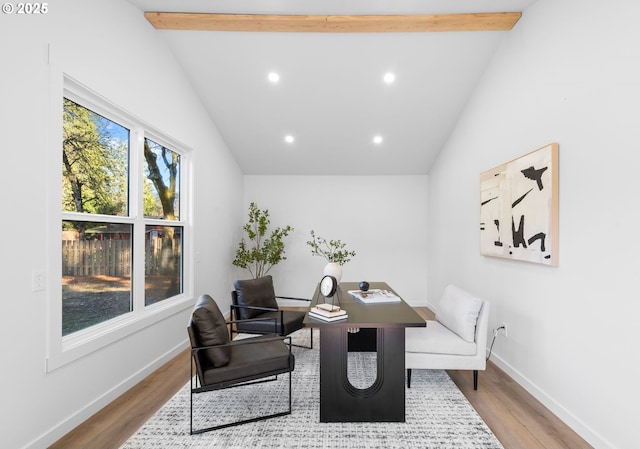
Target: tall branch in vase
(259,254)
(332,250)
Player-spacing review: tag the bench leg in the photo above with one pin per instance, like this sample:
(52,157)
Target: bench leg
(475,379)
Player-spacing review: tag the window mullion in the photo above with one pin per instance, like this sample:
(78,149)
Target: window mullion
(136,213)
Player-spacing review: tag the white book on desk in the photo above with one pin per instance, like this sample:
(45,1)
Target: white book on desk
(374,296)
(322,317)
(319,310)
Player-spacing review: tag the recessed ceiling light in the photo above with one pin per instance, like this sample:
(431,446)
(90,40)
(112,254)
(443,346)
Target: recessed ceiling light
(377,140)
(389,78)
(274,77)
(289,138)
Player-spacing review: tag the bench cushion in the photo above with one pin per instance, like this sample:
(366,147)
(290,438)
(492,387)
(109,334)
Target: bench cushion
(458,311)
(437,339)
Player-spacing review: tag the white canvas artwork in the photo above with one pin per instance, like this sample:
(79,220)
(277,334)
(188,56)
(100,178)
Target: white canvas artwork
(519,208)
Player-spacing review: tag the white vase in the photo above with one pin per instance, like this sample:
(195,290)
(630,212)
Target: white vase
(333,269)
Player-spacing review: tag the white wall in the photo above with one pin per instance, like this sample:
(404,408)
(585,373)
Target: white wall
(382,218)
(112,49)
(569,73)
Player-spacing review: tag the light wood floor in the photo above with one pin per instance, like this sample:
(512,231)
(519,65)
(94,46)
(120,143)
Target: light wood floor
(517,419)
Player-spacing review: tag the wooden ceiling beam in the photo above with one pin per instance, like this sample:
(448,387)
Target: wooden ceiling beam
(408,23)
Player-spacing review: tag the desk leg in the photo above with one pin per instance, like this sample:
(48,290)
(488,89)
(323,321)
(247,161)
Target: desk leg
(384,400)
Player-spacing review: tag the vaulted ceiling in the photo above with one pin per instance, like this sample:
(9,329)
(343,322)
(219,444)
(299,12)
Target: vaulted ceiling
(331,57)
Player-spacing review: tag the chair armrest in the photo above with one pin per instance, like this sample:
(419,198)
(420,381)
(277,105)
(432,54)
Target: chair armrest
(274,319)
(296,299)
(230,323)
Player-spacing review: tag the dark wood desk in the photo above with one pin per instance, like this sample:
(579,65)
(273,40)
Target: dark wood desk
(381,329)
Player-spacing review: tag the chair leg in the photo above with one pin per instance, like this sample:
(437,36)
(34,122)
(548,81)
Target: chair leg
(191,401)
(231,324)
(475,379)
(289,393)
(306,347)
(408,377)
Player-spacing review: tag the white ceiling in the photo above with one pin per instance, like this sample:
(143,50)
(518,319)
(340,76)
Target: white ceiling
(331,96)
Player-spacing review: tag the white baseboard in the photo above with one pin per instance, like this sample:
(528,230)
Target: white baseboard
(578,426)
(73,421)
(419,303)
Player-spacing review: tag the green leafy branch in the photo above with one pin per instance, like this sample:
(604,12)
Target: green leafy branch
(332,250)
(259,254)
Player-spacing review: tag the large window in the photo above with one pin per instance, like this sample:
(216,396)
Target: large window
(122,226)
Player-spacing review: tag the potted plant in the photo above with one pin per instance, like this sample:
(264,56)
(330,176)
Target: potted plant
(333,251)
(259,254)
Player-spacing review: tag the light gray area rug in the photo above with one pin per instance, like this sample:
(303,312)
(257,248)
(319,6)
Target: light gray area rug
(438,416)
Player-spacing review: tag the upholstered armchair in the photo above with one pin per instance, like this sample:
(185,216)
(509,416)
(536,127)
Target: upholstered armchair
(456,339)
(255,299)
(220,363)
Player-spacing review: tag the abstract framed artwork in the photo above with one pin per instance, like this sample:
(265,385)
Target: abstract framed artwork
(519,208)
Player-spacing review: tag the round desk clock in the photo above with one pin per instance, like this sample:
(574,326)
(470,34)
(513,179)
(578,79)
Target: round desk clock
(328,288)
